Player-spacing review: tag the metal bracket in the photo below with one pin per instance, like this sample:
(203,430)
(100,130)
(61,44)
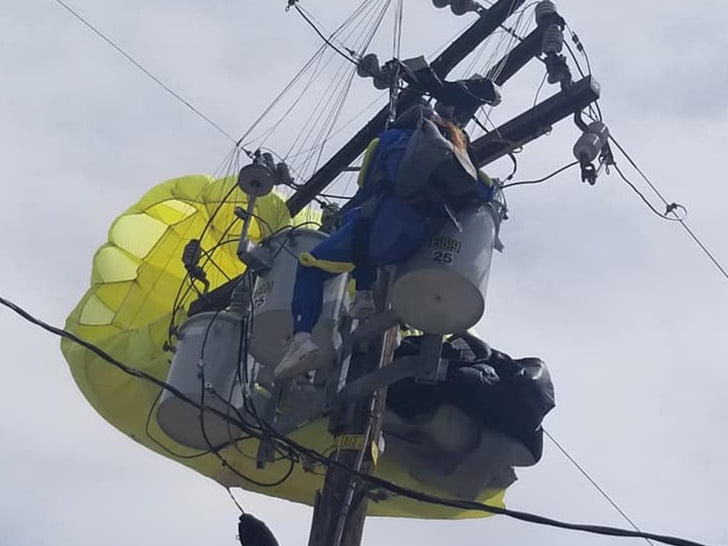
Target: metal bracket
(427,367)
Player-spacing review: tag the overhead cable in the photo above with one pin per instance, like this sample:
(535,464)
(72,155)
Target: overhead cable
(544,179)
(372,480)
(669,206)
(594,483)
(148,73)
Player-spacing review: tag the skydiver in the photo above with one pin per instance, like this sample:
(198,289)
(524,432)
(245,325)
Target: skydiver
(378,229)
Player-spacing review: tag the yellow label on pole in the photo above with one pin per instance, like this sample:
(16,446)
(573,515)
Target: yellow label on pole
(350,442)
(356,442)
(375,452)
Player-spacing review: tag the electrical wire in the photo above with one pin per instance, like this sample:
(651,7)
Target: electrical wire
(722,270)
(544,179)
(595,484)
(662,215)
(370,479)
(148,73)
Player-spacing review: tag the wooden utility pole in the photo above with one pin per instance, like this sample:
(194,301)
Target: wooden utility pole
(340,509)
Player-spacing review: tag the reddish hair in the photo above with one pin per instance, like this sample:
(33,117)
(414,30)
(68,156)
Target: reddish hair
(452,132)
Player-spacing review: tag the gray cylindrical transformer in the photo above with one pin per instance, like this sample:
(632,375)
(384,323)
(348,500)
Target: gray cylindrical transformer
(204,368)
(441,288)
(272,319)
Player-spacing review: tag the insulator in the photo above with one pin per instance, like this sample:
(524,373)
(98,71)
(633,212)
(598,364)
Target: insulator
(553,39)
(591,142)
(441,3)
(284,174)
(461,7)
(368,66)
(544,11)
(269,162)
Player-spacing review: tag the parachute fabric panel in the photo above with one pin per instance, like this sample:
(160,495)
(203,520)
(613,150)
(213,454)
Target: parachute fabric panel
(137,278)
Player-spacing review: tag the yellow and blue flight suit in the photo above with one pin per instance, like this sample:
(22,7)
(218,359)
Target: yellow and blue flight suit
(396,230)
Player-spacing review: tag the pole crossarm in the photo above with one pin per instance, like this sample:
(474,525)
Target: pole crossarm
(489,21)
(535,122)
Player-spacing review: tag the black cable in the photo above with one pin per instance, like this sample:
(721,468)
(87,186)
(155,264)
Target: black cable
(662,215)
(144,70)
(322,36)
(669,206)
(216,450)
(540,180)
(372,480)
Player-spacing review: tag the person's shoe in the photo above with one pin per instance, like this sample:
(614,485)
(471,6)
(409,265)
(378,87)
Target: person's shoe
(301,357)
(363,306)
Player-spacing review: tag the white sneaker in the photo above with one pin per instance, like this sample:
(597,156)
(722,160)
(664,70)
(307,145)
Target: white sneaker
(363,306)
(301,357)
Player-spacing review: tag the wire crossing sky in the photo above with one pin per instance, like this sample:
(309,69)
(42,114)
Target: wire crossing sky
(626,313)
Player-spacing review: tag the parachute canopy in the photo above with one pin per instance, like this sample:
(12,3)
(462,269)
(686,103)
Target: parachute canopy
(139,288)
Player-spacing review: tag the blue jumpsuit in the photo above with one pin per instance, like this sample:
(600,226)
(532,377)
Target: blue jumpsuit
(397,231)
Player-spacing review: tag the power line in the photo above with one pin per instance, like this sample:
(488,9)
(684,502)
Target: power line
(594,483)
(544,179)
(670,208)
(322,459)
(149,74)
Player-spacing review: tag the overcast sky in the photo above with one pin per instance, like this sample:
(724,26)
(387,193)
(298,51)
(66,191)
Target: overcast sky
(627,311)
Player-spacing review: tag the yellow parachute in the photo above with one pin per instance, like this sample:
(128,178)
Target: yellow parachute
(138,279)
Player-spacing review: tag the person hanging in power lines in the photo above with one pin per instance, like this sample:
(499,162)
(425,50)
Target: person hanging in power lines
(414,176)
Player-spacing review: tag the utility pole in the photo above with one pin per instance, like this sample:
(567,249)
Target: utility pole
(340,509)
(356,422)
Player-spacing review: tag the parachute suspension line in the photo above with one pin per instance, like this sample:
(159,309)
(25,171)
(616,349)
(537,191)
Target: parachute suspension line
(502,47)
(355,117)
(314,60)
(595,484)
(396,55)
(146,71)
(502,51)
(337,99)
(364,10)
(300,450)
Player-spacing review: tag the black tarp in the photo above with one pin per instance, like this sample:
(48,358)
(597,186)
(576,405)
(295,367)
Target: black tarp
(506,394)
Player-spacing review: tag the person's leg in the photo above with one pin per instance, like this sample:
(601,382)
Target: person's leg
(397,232)
(330,256)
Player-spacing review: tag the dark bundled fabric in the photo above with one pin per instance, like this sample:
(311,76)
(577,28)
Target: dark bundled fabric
(253,532)
(506,394)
